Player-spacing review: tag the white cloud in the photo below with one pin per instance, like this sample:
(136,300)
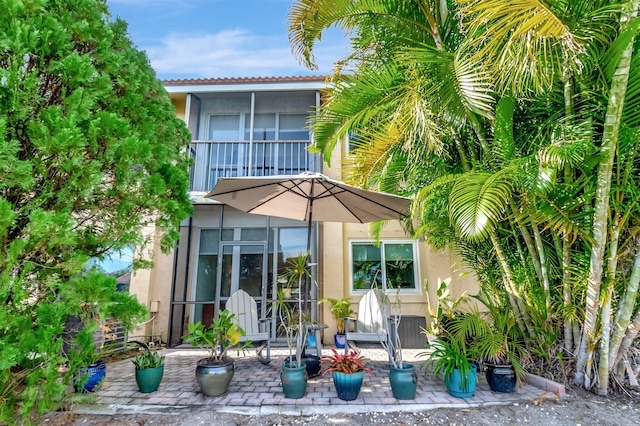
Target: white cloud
(232,53)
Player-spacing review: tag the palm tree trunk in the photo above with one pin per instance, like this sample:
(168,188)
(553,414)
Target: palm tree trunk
(629,337)
(543,268)
(625,311)
(566,291)
(600,217)
(605,316)
(515,299)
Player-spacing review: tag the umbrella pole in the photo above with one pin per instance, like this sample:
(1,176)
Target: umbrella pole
(308,278)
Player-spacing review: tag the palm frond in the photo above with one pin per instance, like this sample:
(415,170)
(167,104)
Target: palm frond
(477,202)
(526,45)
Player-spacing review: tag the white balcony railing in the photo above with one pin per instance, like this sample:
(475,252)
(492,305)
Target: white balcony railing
(212,160)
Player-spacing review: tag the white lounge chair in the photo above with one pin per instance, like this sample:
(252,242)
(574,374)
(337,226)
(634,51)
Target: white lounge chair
(373,324)
(257,331)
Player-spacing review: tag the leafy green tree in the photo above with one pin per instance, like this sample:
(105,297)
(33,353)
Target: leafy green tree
(515,126)
(91,156)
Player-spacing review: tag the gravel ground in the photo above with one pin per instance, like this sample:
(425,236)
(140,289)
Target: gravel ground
(579,408)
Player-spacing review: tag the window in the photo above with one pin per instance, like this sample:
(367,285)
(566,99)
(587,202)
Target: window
(293,127)
(392,265)
(224,127)
(264,127)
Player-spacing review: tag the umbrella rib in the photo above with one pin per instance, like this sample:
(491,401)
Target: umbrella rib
(343,189)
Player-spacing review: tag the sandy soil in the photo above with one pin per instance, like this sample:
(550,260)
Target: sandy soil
(579,408)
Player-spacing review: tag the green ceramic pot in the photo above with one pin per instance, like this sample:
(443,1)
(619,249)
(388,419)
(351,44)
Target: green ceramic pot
(214,378)
(149,379)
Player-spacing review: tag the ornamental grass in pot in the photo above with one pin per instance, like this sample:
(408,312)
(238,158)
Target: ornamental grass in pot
(149,371)
(348,372)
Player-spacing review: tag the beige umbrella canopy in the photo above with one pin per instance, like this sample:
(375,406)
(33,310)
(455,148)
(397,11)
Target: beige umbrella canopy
(308,196)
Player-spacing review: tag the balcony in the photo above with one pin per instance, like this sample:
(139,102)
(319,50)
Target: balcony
(213,160)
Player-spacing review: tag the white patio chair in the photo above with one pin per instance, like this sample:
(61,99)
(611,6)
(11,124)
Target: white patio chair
(257,330)
(373,324)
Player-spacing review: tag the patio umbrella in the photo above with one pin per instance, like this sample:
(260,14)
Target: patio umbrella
(308,197)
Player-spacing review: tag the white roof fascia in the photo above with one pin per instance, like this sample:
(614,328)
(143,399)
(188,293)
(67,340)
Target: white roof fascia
(246,87)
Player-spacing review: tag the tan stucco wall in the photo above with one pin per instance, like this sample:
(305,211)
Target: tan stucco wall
(179,101)
(434,267)
(153,285)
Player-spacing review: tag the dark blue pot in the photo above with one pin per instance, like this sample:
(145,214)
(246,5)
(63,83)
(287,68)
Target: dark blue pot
(501,378)
(348,384)
(89,379)
(404,381)
(457,387)
(294,380)
(340,340)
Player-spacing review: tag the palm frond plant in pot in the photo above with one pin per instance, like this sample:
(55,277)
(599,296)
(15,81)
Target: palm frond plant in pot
(340,309)
(456,362)
(149,370)
(499,343)
(348,373)
(215,372)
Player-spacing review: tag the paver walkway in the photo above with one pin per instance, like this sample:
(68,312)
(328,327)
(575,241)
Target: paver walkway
(256,389)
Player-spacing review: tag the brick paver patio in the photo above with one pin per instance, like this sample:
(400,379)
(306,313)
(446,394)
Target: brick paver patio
(256,388)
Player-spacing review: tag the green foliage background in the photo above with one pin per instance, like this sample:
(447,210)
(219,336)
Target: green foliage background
(91,155)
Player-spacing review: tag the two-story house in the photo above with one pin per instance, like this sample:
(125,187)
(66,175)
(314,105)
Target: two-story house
(258,127)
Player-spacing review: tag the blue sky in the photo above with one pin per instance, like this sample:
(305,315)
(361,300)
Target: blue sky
(220,38)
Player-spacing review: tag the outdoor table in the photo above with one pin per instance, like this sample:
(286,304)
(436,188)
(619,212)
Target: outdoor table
(315,330)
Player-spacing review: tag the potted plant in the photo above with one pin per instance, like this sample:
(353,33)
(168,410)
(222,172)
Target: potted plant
(149,371)
(452,358)
(294,373)
(215,372)
(348,373)
(402,376)
(340,309)
(500,345)
(292,319)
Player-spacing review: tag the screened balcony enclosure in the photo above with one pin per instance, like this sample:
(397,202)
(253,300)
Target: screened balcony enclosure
(250,134)
(213,160)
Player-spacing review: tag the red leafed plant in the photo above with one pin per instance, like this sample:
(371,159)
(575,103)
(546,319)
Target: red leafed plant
(346,363)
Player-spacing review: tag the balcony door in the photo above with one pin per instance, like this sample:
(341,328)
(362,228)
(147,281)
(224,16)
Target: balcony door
(243,266)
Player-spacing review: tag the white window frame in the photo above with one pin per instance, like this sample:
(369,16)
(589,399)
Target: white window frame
(416,266)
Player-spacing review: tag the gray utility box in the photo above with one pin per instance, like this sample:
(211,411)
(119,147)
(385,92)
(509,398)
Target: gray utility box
(409,331)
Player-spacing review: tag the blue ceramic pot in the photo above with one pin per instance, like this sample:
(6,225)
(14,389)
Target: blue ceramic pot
(456,386)
(340,340)
(89,379)
(348,384)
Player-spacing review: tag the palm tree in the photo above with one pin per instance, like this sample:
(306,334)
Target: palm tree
(515,118)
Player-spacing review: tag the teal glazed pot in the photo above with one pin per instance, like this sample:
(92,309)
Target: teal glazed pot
(348,384)
(404,381)
(294,380)
(456,386)
(148,379)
